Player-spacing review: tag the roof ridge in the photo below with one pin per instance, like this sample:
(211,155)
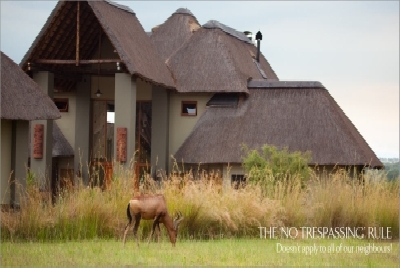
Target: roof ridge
(260,69)
(261,83)
(123,7)
(183,11)
(233,32)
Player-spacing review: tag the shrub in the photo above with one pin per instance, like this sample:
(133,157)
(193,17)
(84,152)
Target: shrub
(272,165)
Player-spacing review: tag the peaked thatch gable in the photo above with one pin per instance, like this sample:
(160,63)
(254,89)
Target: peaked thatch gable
(61,146)
(57,40)
(214,59)
(132,43)
(301,116)
(174,32)
(21,97)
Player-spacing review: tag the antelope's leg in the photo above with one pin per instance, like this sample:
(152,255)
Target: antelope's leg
(127,227)
(136,227)
(155,224)
(126,231)
(159,232)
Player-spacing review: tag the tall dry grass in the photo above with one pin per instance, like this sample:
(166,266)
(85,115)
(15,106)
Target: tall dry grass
(340,200)
(210,210)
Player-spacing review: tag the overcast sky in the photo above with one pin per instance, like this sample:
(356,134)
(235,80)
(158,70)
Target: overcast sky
(352,48)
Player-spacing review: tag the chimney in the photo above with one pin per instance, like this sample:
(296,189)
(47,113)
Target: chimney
(258,38)
(249,35)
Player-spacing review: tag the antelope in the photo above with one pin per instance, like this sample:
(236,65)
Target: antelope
(152,207)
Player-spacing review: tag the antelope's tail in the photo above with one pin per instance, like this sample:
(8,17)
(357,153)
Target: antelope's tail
(128,213)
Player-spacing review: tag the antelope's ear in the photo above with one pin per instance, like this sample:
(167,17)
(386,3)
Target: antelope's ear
(180,216)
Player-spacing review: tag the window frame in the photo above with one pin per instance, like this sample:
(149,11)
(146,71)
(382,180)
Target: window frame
(186,103)
(62,100)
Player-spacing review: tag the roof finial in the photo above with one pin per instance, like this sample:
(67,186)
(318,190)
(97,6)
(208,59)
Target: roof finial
(258,38)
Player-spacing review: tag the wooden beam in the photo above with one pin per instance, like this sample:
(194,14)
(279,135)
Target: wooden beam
(99,49)
(71,73)
(93,61)
(77,34)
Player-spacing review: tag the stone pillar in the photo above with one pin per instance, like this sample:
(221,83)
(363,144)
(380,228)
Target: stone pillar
(82,129)
(21,158)
(125,117)
(42,167)
(160,131)
(6,162)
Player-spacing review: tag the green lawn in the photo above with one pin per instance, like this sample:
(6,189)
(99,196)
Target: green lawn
(244,252)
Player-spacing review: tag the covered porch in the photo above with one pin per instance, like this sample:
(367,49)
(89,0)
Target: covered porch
(110,86)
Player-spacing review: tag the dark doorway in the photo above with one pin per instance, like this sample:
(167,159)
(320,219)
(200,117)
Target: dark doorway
(143,139)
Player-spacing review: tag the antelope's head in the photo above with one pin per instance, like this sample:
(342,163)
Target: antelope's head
(177,220)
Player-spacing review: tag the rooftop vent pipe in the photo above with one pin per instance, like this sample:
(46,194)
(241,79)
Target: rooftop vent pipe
(258,38)
(249,35)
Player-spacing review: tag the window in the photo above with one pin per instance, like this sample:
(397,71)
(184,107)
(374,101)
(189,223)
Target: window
(189,108)
(238,181)
(62,104)
(110,112)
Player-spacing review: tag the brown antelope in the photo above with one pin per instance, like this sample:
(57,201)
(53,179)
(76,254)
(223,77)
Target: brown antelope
(152,207)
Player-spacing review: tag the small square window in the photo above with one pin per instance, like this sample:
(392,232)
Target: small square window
(62,104)
(189,108)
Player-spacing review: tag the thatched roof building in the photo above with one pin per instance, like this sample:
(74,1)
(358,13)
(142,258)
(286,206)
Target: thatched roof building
(133,48)
(250,105)
(300,115)
(21,97)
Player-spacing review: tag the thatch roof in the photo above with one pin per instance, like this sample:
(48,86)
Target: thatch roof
(217,58)
(302,116)
(21,97)
(57,40)
(174,32)
(61,146)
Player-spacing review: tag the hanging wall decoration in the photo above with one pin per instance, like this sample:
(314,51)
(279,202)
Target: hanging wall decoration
(121,144)
(38,133)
